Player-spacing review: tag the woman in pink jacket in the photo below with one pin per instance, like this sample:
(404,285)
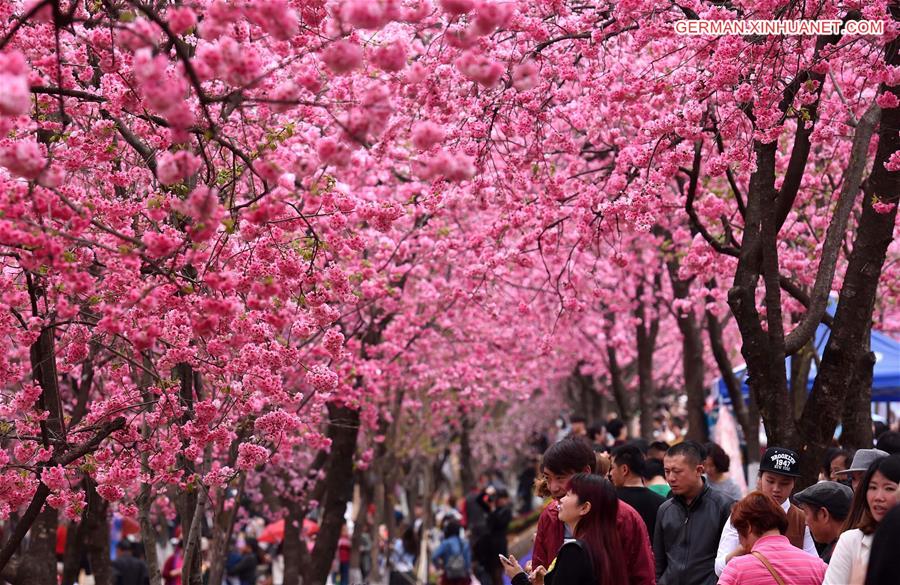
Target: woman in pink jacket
(761,523)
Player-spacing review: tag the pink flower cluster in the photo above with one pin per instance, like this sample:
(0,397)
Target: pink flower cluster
(427,134)
(24,158)
(370,14)
(343,56)
(274,424)
(480,68)
(250,455)
(218,476)
(525,76)
(163,90)
(181,19)
(160,244)
(451,166)
(173,167)
(205,211)
(390,56)
(72,503)
(23,400)
(333,342)
(15,97)
(322,378)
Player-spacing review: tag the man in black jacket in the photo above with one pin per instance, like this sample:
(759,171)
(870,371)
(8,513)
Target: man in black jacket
(627,474)
(688,525)
(127,569)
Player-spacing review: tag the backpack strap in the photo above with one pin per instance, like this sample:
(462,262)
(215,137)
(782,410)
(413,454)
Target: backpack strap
(769,566)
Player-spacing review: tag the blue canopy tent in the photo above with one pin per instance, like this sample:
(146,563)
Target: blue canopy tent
(885,375)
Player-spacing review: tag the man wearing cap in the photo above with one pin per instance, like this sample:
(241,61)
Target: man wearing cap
(826,505)
(778,473)
(861,462)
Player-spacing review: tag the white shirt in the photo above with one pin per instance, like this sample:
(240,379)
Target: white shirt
(849,559)
(729,541)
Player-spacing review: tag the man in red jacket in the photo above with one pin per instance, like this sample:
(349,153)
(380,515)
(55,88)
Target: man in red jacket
(561,461)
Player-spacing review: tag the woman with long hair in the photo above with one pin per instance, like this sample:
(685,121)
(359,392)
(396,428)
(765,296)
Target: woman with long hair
(594,556)
(876,495)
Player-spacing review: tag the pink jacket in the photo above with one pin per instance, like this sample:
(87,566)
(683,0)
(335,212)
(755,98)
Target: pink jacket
(793,565)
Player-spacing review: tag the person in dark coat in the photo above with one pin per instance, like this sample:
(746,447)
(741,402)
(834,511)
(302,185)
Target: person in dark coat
(128,570)
(688,524)
(245,568)
(493,543)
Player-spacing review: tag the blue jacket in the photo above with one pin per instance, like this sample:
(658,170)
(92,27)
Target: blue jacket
(450,547)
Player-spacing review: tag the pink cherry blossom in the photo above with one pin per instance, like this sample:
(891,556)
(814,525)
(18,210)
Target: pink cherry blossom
(24,158)
(480,68)
(15,99)
(390,57)
(343,56)
(426,134)
(457,7)
(173,167)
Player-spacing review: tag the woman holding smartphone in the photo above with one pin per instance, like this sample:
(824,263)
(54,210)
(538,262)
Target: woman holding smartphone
(589,512)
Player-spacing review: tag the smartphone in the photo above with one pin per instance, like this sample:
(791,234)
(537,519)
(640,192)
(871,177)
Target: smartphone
(504,560)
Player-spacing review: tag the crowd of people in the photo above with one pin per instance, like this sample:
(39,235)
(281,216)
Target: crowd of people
(705,530)
(625,510)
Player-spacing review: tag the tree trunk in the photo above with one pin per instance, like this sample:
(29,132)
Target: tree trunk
(747,417)
(74,549)
(39,560)
(96,534)
(765,364)
(466,469)
(694,371)
(617,375)
(646,346)
(223,526)
(361,521)
(801,363)
(149,536)
(846,348)
(292,548)
(343,428)
(857,415)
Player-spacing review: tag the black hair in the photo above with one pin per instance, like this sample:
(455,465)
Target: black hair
(594,430)
(659,446)
(631,456)
(889,442)
(577,418)
(830,454)
(720,458)
(123,545)
(878,429)
(451,528)
(571,455)
(640,443)
(614,427)
(653,468)
(691,450)
(834,455)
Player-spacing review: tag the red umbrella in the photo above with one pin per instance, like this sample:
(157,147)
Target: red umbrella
(274,532)
(130,526)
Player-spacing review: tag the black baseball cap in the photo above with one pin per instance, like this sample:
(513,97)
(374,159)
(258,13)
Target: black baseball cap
(781,461)
(831,495)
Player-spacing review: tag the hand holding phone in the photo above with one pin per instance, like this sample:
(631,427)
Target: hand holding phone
(510,566)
